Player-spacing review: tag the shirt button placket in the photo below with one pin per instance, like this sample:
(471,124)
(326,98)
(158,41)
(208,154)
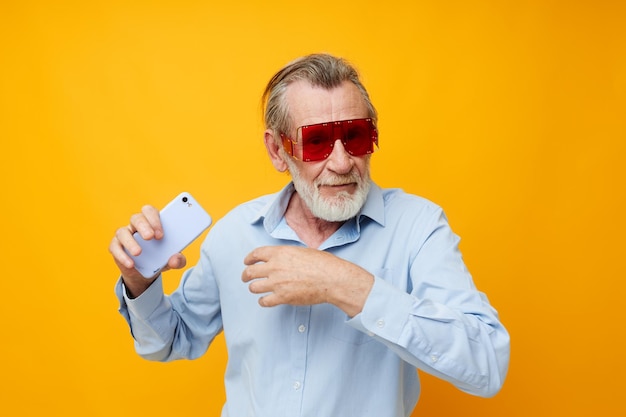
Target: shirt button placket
(299,347)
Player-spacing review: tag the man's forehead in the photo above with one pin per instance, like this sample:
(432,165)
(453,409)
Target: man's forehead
(310,104)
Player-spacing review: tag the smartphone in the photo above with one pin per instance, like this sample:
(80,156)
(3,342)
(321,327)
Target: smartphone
(183,220)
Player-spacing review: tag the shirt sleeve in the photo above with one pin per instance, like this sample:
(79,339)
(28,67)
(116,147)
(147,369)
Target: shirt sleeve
(444,325)
(144,315)
(180,326)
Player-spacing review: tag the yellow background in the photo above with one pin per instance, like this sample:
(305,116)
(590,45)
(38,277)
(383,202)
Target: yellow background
(509,114)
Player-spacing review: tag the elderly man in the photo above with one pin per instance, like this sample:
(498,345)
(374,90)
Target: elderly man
(331,293)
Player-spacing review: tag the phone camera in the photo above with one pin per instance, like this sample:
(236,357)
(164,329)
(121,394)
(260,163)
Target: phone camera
(185,199)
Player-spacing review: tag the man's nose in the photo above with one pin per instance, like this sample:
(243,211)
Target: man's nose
(340,160)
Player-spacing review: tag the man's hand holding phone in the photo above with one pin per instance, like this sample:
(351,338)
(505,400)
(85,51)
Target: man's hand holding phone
(153,240)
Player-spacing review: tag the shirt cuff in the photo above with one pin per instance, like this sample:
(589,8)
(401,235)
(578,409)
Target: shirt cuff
(143,306)
(385,313)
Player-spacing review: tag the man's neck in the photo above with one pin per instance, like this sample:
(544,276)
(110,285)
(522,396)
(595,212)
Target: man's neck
(312,230)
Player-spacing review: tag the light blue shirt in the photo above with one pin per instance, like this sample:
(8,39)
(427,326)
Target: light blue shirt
(423,312)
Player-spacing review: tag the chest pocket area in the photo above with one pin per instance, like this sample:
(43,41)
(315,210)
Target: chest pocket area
(342,331)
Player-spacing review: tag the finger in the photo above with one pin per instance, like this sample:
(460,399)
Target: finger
(261,254)
(270,300)
(176,261)
(255,271)
(120,256)
(124,237)
(141,225)
(154,219)
(147,223)
(260,286)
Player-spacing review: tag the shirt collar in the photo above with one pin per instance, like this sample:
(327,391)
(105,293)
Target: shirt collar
(374,206)
(273,212)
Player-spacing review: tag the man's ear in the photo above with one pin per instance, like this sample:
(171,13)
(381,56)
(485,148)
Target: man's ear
(273,150)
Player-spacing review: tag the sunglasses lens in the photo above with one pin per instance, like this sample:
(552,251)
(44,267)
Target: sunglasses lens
(359,137)
(317,142)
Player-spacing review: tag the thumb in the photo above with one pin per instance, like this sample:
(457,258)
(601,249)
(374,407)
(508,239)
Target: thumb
(176,261)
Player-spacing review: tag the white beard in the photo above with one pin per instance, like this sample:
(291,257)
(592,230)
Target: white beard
(343,205)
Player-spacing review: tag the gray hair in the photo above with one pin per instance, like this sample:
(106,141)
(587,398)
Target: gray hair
(320,70)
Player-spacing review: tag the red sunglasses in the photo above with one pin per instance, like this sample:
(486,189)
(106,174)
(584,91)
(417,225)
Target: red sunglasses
(358,137)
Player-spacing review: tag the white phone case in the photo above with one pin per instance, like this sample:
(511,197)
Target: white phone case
(183,220)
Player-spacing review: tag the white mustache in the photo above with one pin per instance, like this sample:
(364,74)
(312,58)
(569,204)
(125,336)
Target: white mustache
(339,179)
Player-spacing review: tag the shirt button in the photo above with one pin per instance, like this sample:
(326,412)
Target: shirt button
(380,323)
(297,385)
(301,328)
(433,358)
